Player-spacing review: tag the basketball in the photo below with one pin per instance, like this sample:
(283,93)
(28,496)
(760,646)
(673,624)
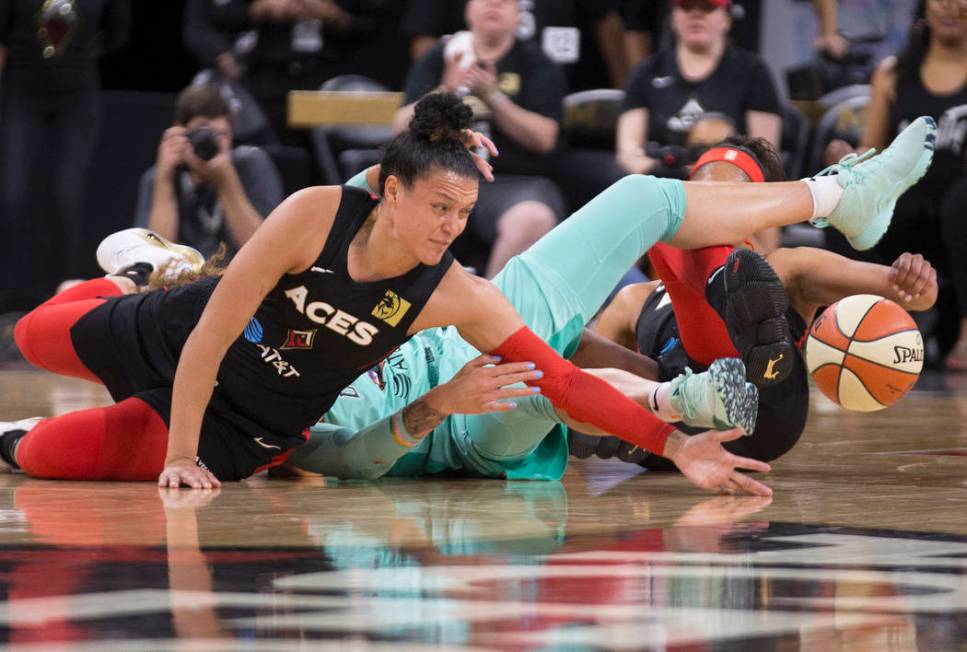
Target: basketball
(864,352)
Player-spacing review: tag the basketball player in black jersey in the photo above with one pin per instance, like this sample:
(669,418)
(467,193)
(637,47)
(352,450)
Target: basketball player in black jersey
(222,377)
(645,318)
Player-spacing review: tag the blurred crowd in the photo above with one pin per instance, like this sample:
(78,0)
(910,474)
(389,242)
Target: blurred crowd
(575,94)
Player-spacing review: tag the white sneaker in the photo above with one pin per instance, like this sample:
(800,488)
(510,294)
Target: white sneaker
(8,426)
(125,248)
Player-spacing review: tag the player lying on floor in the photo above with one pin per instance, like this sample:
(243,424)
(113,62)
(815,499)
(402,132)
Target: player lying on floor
(448,393)
(693,314)
(858,198)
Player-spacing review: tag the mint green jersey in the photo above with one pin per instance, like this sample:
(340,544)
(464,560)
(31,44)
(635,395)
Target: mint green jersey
(458,445)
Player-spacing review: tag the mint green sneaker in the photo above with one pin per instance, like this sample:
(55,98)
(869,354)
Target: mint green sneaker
(718,398)
(872,184)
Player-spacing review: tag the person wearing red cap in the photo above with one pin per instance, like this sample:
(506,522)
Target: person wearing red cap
(694,314)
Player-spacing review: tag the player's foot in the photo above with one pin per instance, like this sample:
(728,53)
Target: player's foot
(872,184)
(755,313)
(10,434)
(719,398)
(136,253)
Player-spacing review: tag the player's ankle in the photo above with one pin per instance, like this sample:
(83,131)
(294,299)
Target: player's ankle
(826,193)
(661,405)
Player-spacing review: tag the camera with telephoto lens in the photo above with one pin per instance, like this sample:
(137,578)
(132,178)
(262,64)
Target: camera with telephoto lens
(204,142)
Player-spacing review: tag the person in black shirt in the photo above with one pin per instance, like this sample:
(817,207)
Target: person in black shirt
(562,28)
(671,90)
(516,94)
(204,203)
(929,77)
(644,21)
(300,44)
(48,130)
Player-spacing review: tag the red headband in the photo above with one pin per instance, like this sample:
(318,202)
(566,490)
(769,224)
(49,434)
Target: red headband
(736,157)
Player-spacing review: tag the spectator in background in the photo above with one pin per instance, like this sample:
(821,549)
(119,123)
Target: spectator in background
(516,94)
(204,203)
(211,47)
(644,21)
(929,77)
(562,28)
(48,130)
(671,90)
(300,45)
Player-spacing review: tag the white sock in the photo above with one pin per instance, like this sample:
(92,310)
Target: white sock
(826,193)
(660,404)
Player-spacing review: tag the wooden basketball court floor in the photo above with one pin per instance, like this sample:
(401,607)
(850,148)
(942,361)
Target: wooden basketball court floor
(864,547)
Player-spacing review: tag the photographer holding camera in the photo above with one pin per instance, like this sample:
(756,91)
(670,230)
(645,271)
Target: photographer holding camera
(202,191)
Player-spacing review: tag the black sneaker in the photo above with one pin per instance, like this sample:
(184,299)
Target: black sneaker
(756,317)
(584,446)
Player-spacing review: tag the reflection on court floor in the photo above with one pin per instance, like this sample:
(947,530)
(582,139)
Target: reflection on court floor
(864,547)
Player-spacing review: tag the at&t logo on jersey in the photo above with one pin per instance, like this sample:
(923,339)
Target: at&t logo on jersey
(274,358)
(338,321)
(253,332)
(391,308)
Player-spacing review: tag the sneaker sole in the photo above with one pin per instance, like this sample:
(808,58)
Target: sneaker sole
(757,300)
(872,234)
(740,399)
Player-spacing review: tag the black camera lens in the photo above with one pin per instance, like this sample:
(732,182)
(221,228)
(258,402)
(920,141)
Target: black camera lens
(204,142)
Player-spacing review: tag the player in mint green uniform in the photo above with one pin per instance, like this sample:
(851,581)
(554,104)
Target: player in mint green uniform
(557,286)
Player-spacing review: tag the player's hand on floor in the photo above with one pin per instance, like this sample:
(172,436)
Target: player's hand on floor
(482,386)
(703,460)
(185,473)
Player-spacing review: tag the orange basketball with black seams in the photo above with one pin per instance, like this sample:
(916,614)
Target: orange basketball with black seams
(864,352)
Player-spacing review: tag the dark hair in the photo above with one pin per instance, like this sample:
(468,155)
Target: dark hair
(204,100)
(915,49)
(434,140)
(761,151)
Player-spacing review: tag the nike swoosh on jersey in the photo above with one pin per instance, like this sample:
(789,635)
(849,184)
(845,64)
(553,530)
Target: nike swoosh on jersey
(258,440)
(321,270)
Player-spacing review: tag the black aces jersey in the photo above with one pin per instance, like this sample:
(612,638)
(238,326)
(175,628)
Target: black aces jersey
(312,335)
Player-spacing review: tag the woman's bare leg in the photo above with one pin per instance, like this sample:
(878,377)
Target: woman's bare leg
(723,213)
(858,199)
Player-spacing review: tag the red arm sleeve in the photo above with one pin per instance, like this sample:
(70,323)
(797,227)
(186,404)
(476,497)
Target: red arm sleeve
(584,397)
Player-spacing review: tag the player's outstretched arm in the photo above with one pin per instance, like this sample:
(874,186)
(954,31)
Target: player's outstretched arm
(816,277)
(480,386)
(280,246)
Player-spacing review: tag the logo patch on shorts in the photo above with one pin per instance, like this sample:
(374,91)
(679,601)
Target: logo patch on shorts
(391,308)
(299,340)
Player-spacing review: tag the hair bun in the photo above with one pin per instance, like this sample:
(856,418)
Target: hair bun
(439,117)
